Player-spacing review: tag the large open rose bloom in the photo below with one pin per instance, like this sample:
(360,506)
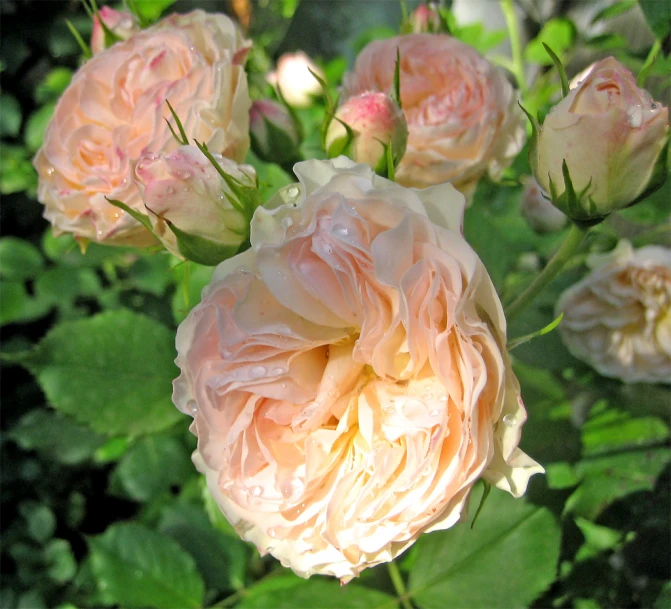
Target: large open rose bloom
(462,113)
(618,318)
(114,111)
(348,376)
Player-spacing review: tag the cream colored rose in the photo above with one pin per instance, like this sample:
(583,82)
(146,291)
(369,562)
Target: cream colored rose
(293,78)
(618,319)
(611,135)
(114,111)
(348,376)
(462,113)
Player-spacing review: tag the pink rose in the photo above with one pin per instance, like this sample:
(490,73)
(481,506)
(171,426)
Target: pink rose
(114,111)
(348,376)
(377,122)
(612,136)
(120,23)
(462,113)
(618,318)
(185,189)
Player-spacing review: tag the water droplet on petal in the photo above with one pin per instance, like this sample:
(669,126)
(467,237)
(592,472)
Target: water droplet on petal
(510,420)
(256,491)
(434,413)
(635,116)
(192,407)
(258,371)
(293,192)
(50,171)
(169,190)
(340,231)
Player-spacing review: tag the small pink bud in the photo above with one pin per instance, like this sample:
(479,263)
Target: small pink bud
(120,23)
(273,132)
(376,122)
(425,19)
(538,211)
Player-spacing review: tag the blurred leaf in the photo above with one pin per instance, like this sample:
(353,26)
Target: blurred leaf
(54,83)
(55,435)
(607,42)
(462,567)
(31,600)
(151,10)
(19,260)
(613,10)
(608,478)
(658,16)
(214,513)
(60,286)
(221,559)
(112,371)
(561,475)
(10,116)
(379,32)
(37,125)
(152,466)
(271,177)
(16,170)
(191,278)
(559,34)
(597,539)
(291,592)
(40,520)
(60,560)
(664,599)
(112,450)
(136,567)
(152,274)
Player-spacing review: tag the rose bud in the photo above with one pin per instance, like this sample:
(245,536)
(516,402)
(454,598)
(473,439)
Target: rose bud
(192,209)
(603,147)
(425,19)
(119,23)
(376,122)
(618,318)
(538,211)
(274,132)
(294,80)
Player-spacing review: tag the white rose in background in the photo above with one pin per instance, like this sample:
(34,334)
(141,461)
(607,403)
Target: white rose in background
(348,376)
(292,76)
(618,318)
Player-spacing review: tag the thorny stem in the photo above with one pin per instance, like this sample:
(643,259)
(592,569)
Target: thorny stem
(573,240)
(399,586)
(515,44)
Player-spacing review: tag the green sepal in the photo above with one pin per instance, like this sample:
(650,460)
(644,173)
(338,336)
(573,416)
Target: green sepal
(342,145)
(386,166)
(283,149)
(182,139)
(201,249)
(329,107)
(298,125)
(86,51)
(141,218)
(396,88)
(245,199)
(533,142)
(576,205)
(560,68)
(485,493)
(516,342)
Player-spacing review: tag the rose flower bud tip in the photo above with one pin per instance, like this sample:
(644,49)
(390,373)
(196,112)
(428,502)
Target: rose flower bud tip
(274,133)
(376,123)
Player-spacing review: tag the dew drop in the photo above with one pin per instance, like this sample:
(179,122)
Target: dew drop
(50,171)
(509,420)
(340,231)
(192,407)
(278,370)
(169,190)
(272,533)
(635,116)
(258,371)
(434,413)
(293,192)
(256,491)
(328,249)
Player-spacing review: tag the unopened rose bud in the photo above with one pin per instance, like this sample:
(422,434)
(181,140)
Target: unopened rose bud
(293,78)
(119,23)
(425,19)
(538,211)
(609,138)
(274,132)
(376,123)
(192,209)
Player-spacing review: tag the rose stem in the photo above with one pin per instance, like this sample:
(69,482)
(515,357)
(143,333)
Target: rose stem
(573,240)
(399,586)
(515,44)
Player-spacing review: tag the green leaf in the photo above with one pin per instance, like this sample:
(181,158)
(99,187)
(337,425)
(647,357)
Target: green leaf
(664,599)
(152,466)
(597,539)
(658,16)
(55,436)
(137,567)
(60,561)
(221,559)
(10,116)
(201,250)
(37,125)
(40,520)
(462,567)
(559,34)
(112,371)
(16,170)
(291,592)
(60,286)
(150,10)
(187,295)
(563,79)
(17,305)
(54,83)
(608,478)
(613,10)
(19,260)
